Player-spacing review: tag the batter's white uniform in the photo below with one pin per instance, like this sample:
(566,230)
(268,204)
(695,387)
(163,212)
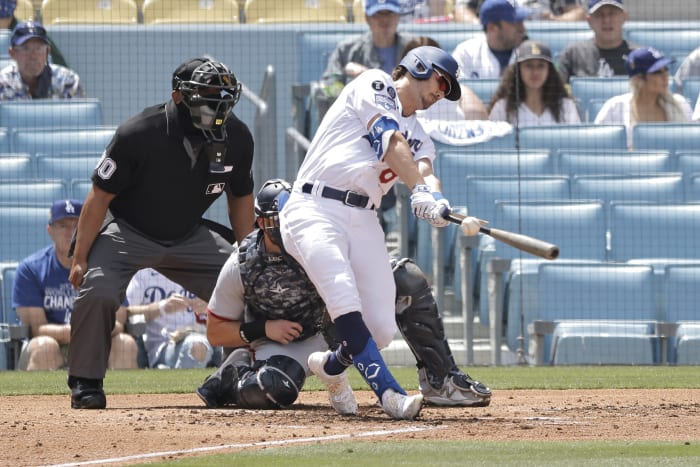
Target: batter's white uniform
(475,59)
(227,303)
(341,247)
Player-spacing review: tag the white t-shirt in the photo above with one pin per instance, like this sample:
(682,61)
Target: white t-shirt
(149,286)
(616,111)
(526,117)
(341,154)
(476,60)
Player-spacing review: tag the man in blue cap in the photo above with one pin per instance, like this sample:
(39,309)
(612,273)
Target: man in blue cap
(31,76)
(8,20)
(487,55)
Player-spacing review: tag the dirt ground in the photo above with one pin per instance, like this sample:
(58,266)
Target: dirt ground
(43,430)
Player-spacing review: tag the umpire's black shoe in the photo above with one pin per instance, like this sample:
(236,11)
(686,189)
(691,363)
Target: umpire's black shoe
(86,393)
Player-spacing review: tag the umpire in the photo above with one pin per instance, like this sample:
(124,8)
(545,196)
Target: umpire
(159,174)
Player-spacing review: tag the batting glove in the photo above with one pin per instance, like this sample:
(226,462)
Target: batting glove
(422,202)
(441,204)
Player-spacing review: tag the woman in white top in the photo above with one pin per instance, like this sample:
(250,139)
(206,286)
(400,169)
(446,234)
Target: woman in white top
(650,99)
(531,92)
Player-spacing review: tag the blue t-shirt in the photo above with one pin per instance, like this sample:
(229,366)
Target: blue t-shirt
(41,281)
(387,56)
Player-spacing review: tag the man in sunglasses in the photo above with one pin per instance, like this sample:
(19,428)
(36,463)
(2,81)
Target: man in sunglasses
(368,140)
(159,174)
(31,76)
(8,20)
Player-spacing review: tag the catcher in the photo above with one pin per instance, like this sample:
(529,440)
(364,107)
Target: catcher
(263,301)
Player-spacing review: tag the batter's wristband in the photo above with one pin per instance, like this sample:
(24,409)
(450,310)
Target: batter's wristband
(252,331)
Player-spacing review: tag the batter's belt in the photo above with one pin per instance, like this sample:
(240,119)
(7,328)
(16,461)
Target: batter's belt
(349,197)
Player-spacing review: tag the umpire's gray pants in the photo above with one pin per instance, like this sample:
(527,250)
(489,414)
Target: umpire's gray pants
(117,253)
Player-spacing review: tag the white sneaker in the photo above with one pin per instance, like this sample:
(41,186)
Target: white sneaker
(401,407)
(339,391)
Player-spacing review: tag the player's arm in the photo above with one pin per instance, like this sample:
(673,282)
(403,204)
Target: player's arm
(425,168)
(391,147)
(241,214)
(227,333)
(91,218)
(35,318)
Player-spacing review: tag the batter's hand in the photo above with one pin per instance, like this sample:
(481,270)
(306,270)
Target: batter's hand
(282,331)
(422,202)
(438,220)
(174,303)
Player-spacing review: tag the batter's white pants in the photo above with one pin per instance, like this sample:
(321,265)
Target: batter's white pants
(342,250)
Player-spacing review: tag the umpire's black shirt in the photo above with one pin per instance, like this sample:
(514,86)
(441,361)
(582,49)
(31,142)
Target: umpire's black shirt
(160,190)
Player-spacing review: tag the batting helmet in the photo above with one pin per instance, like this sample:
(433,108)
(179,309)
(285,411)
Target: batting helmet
(421,61)
(269,202)
(209,90)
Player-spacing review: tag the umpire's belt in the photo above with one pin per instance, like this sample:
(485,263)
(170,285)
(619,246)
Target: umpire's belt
(349,198)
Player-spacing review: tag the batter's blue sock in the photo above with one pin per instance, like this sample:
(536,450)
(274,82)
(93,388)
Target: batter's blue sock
(353,336)
(357,342)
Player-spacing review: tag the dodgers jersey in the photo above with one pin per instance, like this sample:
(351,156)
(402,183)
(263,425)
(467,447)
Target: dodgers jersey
(341,154)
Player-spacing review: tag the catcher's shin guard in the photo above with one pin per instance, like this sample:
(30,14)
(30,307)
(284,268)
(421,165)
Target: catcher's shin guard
(420,323)
(271,384)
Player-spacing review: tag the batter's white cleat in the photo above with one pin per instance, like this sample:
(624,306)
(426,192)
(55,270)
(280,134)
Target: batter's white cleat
(339,391)
(401,407)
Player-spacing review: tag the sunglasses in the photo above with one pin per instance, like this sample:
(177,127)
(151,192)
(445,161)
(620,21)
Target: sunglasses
(443,83)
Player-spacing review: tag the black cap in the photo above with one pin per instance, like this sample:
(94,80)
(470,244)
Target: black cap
(185,70)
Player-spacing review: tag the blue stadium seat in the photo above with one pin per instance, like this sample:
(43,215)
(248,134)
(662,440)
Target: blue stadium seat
(51,113)
(4,141)
(670,41)
(314,50)
(640,231)
(33,192)
(577,227)
(571,162)
(483,192)
(669,136)
(7,272)
(583,136)
(585,89)
(603,313)
(24,231)
(559,38)
(5,36)
(681,306)
(484,88)
(693,188)
(662,188)
(80,187)
(592,109)
(17,167)
(61,141)
(218,211)
(66,167)
(688,162)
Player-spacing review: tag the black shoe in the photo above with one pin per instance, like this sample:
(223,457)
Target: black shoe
(209,392)
(86,393)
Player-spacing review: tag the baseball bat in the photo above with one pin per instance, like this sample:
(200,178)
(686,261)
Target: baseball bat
(522,242)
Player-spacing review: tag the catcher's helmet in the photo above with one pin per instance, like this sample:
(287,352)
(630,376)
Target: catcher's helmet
(421,61)
(209,90)
(269,202)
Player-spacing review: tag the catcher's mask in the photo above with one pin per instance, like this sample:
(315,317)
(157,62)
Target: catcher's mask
(210,94)
(268,203)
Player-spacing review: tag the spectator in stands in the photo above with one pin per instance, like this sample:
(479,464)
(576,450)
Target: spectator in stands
(44,298)
(531,92)
(488,54)
(467,11)
(604,54)
(650,99)
(380,48)
(8,20)
(176,332)
(32,76)
(689,68)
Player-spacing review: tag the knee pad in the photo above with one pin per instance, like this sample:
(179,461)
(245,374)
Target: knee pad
(419,320)
(273,384)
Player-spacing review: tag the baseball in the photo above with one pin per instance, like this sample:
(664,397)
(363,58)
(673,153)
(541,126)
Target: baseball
(470,226)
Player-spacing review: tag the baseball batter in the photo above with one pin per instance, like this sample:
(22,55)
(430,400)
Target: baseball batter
(369,139)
